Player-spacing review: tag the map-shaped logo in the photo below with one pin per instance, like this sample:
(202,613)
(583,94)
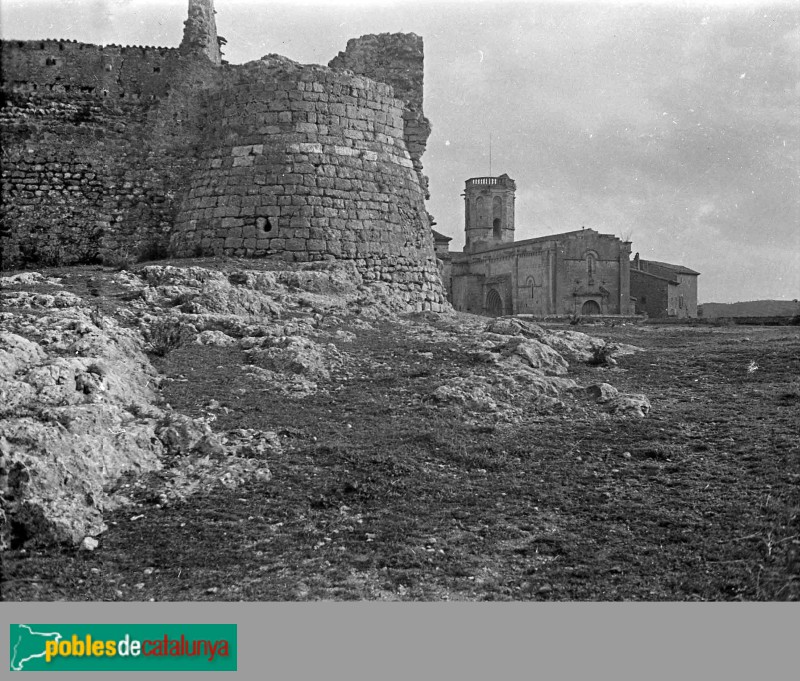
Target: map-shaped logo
(28,645)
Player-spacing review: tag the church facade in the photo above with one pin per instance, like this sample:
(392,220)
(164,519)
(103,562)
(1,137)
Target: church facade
(581,272)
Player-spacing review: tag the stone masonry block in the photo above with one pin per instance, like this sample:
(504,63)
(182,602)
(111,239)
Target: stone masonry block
(296,245)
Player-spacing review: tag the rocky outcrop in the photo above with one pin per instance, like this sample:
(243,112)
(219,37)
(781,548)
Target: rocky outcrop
(636,405)
(572,344)
(601,392)
(618,403)
(80,407)
(525,370)
(80,403)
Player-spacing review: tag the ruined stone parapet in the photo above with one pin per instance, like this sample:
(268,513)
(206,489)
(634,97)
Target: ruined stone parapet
(200,31)
(396,59)
(72,69)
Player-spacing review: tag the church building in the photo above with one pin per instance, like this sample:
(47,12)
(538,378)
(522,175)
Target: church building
(581,272)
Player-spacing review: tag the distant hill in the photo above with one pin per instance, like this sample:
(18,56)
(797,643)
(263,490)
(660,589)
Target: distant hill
(750,308)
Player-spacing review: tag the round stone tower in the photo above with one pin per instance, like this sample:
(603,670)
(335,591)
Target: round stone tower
(489,211)
(309,163)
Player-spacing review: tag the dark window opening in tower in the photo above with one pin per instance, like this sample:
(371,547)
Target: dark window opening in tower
(497,214)
(481,211)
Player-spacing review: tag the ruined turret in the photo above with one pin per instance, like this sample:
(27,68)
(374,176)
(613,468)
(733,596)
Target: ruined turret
(200,31)
(396,59)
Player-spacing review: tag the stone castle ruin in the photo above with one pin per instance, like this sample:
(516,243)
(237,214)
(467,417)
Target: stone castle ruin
(157,152)
(152,152)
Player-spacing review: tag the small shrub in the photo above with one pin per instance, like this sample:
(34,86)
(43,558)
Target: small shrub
(154,250)
(603,355)
(165,336)
(46,254)
(121,260)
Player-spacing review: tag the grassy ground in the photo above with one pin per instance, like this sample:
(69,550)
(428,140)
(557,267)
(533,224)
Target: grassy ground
(380,495)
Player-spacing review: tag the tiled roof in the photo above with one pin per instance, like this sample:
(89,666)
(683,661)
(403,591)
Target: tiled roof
(678,269)
(645,273)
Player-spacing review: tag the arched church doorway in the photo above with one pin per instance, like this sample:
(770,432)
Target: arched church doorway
(494,303)
(590,307)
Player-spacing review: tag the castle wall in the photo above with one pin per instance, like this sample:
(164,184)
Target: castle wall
(159,151)
(72,68)
(97,147)
(67,182)
(309,163)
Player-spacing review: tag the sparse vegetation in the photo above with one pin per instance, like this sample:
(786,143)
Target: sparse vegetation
(119,260)
(603,355)
(379,494)
(156,249)
(165,336)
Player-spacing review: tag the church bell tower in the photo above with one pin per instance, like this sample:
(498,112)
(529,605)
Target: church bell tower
(488,211)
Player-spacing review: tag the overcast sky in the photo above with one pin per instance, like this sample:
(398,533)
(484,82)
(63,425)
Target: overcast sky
(674,125)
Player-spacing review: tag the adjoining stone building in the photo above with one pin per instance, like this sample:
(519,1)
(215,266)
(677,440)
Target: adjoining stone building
(581,272)
(663,290)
